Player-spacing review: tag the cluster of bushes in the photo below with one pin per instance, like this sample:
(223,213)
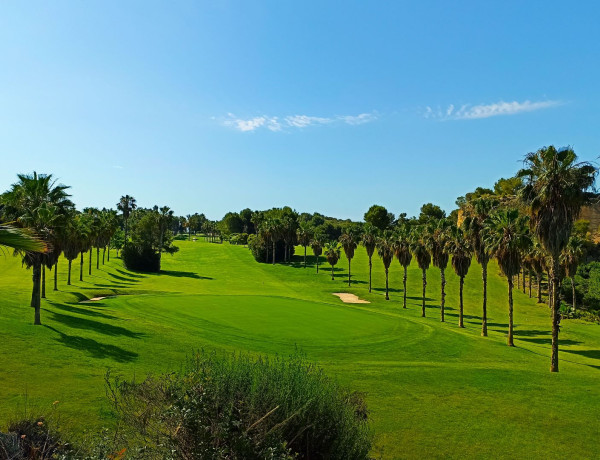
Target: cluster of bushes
(587,289)
(239,238)
(219,406)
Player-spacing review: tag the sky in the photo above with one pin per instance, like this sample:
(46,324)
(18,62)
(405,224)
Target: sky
(329,106)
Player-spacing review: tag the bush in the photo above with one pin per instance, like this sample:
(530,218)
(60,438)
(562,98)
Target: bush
(259,250)
(144,259)
(31,438)
(238,407)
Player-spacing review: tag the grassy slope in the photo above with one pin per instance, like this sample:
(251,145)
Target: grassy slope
(434,390)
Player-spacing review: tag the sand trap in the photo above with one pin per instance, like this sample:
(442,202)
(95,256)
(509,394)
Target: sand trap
(349,298)
(96,299)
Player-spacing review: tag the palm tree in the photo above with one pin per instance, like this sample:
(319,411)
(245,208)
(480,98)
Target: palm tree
(439,254)
(505,233)
(71,243)
(349,242)
(458,245)
(20,239)
(403,254)
(316,245)
(305,234)
(275,229)
(288,233)
(127,204)
(369,241)
(34,202)
(473,225)
(332,253)
(385,249)
(571,256)
(418,246)
(164,217)
(556,187)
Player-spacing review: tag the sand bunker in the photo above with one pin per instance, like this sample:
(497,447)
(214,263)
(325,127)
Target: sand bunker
(349,298)
(96,299)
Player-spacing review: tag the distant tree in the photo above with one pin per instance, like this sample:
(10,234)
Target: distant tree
(385,249)
(555,189)
(369,241)
(438,247)
(232,223)
(378,216)
(570,259)
(316,245)
(246,216)
(430,211)
(349,242)
(127,204)
(505,234)
(418,246)
(305,234)
(332,253)
(508,187)
(403,254)
(458,245)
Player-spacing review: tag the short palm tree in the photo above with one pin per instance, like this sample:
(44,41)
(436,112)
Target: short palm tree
(316,244)
(305,233)
(505,233)
(473,225)
(403,254)
(349,241)
(458,245)
(418,246)
(369,241)
(439,231)
(556,187)
(571,257)
(333,253)
(127,204)
(385,249)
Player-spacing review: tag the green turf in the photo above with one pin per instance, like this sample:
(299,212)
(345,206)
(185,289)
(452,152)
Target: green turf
(434,390)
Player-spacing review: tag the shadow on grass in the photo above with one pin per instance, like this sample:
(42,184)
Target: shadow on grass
(180,274)
(379,289)
(127,279)
(81,311)
(592,354)
(132,275)
(91,325)
(95,349)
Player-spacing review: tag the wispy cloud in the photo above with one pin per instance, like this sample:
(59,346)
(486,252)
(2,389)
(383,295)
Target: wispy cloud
(292,121)
(472,112)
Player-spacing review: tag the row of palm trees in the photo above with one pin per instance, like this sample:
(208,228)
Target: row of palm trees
(532,235)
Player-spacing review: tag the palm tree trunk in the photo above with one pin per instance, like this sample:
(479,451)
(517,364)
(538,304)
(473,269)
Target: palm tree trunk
(69,276)
(370,271)
(539,288)
(523,280)
(267,247)
(387,297)
(304,256)
(510,312)
(35,293)
(273,252)
(484,331)
(424,288)
(317,264)
(97,257)
(460,312)
(108,251)
(443,302)
(404,286)
(518,278)
(43,281)
(90,263)
(555,312)
(81,268)
(103,255)
(574,295)
(332,277)
(349,263)
(549,290)
(56,275)
(530,276)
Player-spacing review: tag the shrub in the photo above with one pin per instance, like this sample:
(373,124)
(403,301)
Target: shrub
(259,251)
(31,438)
(138,258)
(238,407)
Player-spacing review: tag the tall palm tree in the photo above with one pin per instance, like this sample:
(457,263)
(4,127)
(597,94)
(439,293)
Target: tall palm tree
(305,233)
(369,241)
(556,187)
(275,228)
(458,245)
(385,249)
(33,202)
(349,241)
(332,253)
(71,241)
(439,232)
(164,217)
(316,244)
(127,204)
(473,226)
(571,256)
(505,233)
(403,254)
(418,246)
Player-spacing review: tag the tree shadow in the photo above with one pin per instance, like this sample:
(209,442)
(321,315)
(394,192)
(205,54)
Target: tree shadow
(180,274)
(592,354)
(96,326)
(132,275)
(95,349)
(378,289)
(81,311)
(79,296)
(127,279)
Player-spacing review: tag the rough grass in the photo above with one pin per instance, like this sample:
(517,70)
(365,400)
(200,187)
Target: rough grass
(434,390)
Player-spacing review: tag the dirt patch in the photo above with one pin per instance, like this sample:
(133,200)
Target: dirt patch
(349,298)
(96,299)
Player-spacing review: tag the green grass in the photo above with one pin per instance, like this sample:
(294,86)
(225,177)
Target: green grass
(434,390)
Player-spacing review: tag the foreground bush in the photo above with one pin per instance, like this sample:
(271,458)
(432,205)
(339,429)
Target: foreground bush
(238,407)
(32,438)
(143,259)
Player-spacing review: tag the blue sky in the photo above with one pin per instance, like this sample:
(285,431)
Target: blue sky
(324,106)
